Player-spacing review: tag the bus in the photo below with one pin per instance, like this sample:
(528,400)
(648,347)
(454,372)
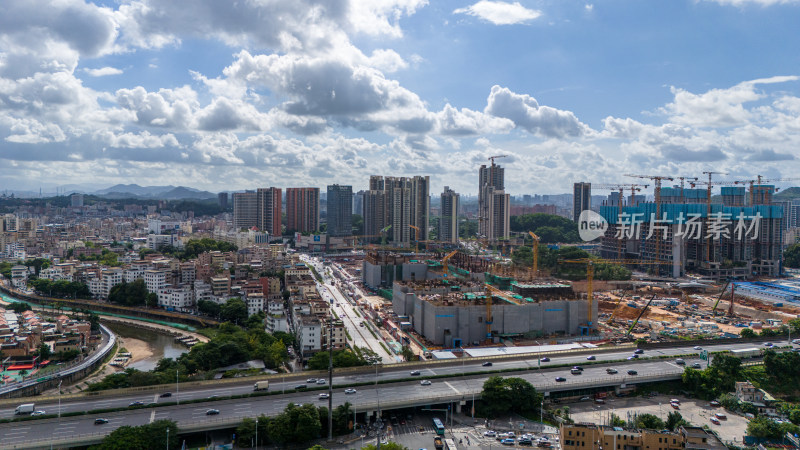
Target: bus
(449,444)
(438,426)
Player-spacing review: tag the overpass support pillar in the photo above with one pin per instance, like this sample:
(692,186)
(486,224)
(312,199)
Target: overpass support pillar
(458,408)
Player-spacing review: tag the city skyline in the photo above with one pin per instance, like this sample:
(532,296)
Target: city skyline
(224,97)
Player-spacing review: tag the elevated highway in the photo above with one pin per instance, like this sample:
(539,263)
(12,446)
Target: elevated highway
(395,391)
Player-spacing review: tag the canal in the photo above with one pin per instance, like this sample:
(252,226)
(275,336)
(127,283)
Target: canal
(161,345)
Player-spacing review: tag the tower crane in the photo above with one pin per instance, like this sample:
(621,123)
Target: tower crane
(446,264)
(535,252)
(492,158)
(657,179)
(416,238)
(634,189)
(760,179)
(690,179)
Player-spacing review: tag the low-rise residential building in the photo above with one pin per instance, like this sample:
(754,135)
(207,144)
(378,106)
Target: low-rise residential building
(155,280)
(309,334)
(588,436)
(179,298)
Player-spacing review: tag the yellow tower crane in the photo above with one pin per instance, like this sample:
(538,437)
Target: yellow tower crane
(535,251)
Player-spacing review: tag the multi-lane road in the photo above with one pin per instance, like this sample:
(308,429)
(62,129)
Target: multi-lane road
(359,335)
(401,393)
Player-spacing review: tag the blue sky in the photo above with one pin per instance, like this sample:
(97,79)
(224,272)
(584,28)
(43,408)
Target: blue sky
(226,96)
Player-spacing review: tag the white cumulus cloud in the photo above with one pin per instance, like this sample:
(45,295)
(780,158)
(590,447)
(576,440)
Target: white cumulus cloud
(500,13)
(103,71)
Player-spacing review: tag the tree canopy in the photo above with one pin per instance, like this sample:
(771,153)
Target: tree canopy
(791,256)
(153,435)
(129,294)
(550,228)
(60,288)
(504,395)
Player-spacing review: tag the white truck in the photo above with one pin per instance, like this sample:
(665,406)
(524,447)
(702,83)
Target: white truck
(261,386)
(26,408)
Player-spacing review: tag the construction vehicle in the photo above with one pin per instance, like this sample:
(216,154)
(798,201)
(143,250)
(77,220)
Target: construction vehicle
(641,313)
(590,263)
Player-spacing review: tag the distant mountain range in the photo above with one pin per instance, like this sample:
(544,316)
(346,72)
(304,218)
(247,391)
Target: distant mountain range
(787,194)
(153,192)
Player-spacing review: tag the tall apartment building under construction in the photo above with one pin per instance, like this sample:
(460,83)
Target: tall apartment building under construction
(720,240)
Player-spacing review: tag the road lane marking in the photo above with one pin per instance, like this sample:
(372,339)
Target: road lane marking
(152,416)
(451,387)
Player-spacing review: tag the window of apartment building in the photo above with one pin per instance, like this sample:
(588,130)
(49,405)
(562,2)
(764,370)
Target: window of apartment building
(570,433)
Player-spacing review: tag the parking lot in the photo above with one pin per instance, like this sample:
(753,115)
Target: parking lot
(697,412)
(417,432)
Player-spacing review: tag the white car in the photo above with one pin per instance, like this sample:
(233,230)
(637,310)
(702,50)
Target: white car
(323,396)
(38,413)
(425,382)
(490,433)
(321,381)
(697,347)
(350,391)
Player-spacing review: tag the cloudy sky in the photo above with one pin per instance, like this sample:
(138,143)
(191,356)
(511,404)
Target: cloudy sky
(226,95)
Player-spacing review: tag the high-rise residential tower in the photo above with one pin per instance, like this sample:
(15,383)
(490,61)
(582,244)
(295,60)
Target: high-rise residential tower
(245,209)
(340,210)
(397,203)
(494,205)
(222,201)
(270,207)
(581,199)
(302,209)
(448,216)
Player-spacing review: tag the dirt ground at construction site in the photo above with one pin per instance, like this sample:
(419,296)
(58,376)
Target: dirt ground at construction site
(619,314)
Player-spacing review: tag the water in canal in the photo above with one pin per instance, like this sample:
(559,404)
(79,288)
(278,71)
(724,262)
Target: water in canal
(162,345)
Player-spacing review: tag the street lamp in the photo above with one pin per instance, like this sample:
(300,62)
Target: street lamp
(256,433)
(167,438)
(177,388)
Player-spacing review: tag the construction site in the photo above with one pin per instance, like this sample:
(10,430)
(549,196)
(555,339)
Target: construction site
(446,305)
(702,266)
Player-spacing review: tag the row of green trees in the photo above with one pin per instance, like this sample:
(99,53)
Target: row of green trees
(651,422)
(60,288)
(153,435)
(297,424)
(230,345)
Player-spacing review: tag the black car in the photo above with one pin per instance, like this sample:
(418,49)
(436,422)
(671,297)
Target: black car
(633,372)
(135,404)
(487,364)
(578,368)
(300,386)
(100,421)
(545,359)
(560,379)
(638,351)
(166,394)
(414,372)
(212,412)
